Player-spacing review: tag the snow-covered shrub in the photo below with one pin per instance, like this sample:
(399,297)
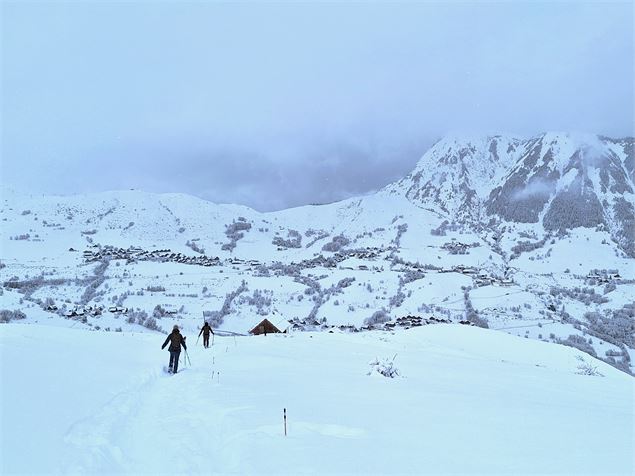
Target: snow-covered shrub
(344,283)
(159,311)
(401,229)
(584,295)
(440,231)
(135,317)
(94,282)
(151,324)
(385,367)
(609,288)
(7,315)
(316,235)
(336,244)
(262,271)
(293,240)
(411,275)
(215,318)
(579,343)
(378,317)
(234,231)
(585,368)
(397,300)
(194,247)
(472,314)
(527,246)
(260,299)
(616,326)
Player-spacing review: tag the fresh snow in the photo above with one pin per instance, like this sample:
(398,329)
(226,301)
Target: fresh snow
(88,394)
(466,400)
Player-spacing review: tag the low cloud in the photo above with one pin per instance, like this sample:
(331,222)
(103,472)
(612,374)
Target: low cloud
(536,188)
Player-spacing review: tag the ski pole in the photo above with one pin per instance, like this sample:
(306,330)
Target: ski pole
(187,357)
(199,336)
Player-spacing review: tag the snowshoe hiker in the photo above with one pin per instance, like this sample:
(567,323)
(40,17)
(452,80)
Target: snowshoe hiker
(205,330)
(176,340)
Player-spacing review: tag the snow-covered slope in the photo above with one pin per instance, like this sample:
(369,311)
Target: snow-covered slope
(466,401)
(560,180)
(548,261)
(456,174)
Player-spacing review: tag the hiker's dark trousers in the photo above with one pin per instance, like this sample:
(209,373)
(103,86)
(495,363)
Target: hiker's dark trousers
(174,360)
(205,340)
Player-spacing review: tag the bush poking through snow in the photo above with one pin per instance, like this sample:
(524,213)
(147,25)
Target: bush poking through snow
(585,368)
(378,317)
(385,367)
(336,244)
(8,316)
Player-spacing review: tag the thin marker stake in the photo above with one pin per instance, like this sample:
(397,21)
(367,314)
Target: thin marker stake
(285,422)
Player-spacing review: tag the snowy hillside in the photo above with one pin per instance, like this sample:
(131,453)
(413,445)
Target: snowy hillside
(465,400)
(563,181)
(527,236)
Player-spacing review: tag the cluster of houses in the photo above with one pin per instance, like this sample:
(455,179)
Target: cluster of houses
(251,263)
(338,257)
(414,321)
(460,269)
(604,277)
(80,311)
(479,278)
(483,279)
(133,254)
(457,248)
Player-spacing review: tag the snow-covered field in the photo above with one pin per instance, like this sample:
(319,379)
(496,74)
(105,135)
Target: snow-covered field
(467,401)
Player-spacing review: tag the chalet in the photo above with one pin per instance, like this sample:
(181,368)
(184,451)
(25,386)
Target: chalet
(264,327)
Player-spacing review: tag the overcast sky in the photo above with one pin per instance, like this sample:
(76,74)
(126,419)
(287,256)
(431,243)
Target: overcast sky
(280,104)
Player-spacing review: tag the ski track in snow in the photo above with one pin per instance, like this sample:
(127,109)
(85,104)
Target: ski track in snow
(125,433)
(466,401)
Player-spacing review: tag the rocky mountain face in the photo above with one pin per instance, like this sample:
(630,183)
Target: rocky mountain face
(561,181)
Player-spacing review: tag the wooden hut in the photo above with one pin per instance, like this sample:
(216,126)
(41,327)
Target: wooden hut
(264,327)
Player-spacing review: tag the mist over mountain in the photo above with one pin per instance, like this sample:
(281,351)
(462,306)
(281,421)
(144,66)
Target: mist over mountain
(559,180)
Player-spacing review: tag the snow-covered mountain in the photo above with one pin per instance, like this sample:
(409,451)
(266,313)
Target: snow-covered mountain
(456,175)
(560,180)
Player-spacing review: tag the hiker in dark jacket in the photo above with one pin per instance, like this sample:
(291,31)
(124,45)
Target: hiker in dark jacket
(176,340)
(205,330)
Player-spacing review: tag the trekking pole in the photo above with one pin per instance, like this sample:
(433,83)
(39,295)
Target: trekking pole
(187,357)
(199,336)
